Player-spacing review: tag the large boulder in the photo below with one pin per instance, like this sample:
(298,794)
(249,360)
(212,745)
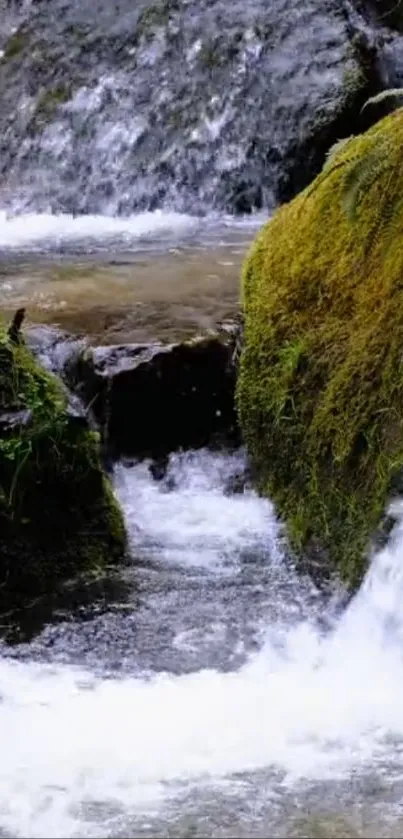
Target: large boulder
(58,514)
(320,389)
(121,107)
(151,399)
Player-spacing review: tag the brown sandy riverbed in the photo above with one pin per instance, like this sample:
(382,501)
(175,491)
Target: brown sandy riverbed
(144,297)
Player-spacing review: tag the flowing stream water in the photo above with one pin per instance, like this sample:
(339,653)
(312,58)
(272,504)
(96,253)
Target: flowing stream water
(214,691)
(209,690)
(152,276)
(222,695)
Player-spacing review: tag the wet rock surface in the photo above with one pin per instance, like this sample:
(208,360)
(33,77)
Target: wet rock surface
(194,105)
(388,13)
(54,348)
(58,515)
(153,399)
(149,399)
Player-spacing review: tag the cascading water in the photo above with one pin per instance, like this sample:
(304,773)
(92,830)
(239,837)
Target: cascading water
(219,693)
(191,106)
(228,697)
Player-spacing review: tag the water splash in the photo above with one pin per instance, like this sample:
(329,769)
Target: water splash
(188,106)
(39,232)
(308,704)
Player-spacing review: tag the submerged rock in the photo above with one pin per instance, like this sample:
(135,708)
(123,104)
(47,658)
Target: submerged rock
(150,399)
(58,515)
(55,349)
(320,390)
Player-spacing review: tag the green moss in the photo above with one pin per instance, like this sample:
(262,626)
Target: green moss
(51,99)
(211,54)
(320,389)
(155,16)
(16,43)
(58,514)
(219,51)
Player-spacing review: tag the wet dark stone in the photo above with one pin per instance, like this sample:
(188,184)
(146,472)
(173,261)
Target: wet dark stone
(153,399)
(10,420)
(388,13)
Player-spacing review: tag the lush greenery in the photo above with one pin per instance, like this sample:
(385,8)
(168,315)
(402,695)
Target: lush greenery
(320,390)
(58,515)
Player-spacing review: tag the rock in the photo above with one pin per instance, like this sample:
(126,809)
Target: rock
(56,349)
(320,388)
(192,106)
(153,399)
(11,420)
(386,12)
(306,154)
(58,352)
(14,330)
(58,515)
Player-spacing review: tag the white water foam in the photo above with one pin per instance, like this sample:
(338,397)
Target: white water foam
(40,232)
(36,232)
(313,706)
(196,524)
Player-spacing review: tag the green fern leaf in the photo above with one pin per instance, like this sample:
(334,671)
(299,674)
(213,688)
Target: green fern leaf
(335,149)
(383,96)
(360,177)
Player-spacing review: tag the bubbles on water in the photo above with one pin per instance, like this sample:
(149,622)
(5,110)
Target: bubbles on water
(40,232)
(47,232)
(307,707)
(192,517)
(208,572)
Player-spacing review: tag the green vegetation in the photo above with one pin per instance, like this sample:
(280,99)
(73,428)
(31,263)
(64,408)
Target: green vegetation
(153,17)
(58,515)
(49,101)
(16,43)
(219,52)
(320,389)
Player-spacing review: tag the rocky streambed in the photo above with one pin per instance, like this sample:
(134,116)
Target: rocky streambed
(171,391)
(203,683)
(149,292)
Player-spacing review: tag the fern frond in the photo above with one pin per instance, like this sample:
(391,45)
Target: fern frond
(390,207)
(389,12)
(335,149)
(360,177)
(383,96)
(324,174)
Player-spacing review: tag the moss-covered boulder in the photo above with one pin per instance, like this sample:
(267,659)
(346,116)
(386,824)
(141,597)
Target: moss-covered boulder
(320,388)
(58,515)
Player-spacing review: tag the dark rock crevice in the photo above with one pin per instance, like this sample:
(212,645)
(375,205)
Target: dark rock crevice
(151,399)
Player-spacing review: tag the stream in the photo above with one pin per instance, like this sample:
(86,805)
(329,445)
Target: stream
(153,276)
(215,692)
(221,695)
(206,689)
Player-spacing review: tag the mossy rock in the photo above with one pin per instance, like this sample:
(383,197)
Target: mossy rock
(58,514)
(50,100)
(336,117)
(320,387)
(16,43)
